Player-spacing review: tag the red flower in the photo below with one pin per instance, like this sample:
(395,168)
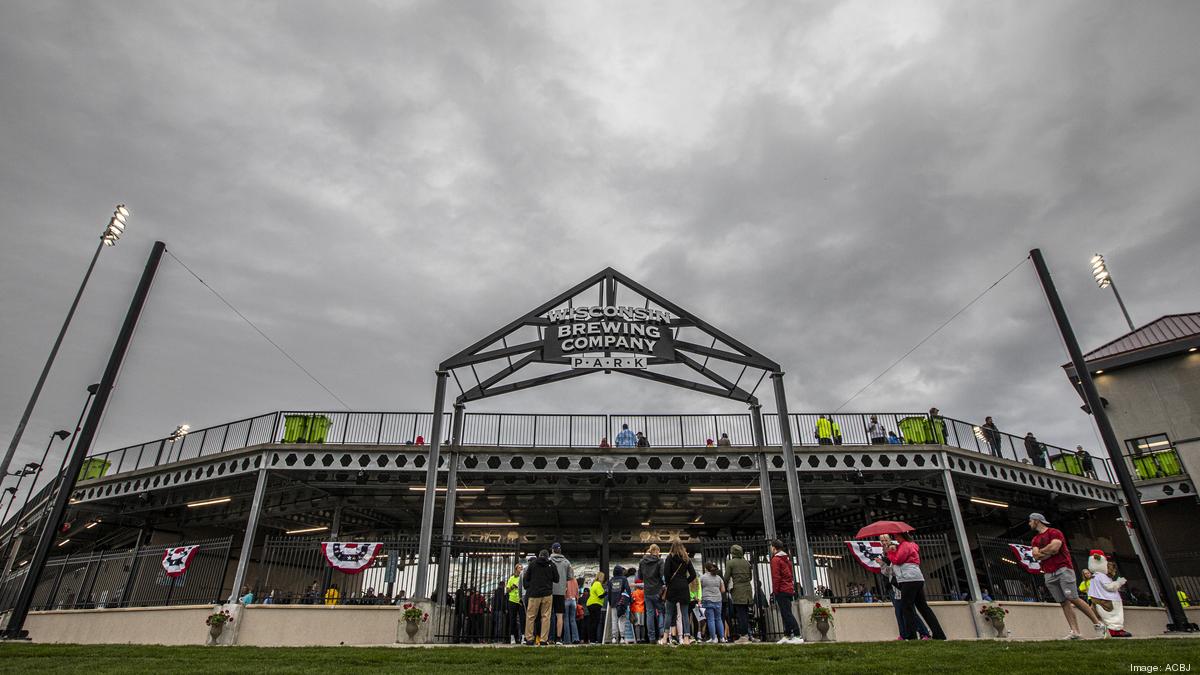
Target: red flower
(818,604)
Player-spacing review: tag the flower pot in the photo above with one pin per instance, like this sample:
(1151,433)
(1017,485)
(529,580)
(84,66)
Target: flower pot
(214,631)
(823,629)
(998,626)
(411,628)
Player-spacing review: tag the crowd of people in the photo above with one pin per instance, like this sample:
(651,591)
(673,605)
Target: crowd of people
(660,599)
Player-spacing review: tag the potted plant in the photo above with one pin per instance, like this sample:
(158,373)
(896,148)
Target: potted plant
(995,616)
(413,618)
(216,623)
(821,617)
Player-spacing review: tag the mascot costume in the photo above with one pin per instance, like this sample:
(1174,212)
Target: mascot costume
(1104,590)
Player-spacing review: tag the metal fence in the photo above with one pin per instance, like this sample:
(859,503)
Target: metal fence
(766,623)
(293,571)
(574,431)
(1007,580)
(841,579)
(125,578)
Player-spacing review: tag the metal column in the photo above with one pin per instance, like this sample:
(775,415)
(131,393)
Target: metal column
(435,446)
(960,532)
(16,621)
(605,533)
(243,563)
(451,494)
(808,570)
(1178,618)
(1141,554)
(764,475)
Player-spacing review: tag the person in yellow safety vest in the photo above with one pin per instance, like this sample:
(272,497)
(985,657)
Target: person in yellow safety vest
(828,431)
(1183,597)
(332,595)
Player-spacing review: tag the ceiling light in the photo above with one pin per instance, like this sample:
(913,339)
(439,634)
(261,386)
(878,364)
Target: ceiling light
(209,502)
(64,542)
(1192,349)
(1099,372)
(307,530)
(724,489)
(989,502)
(646,524)
(483,523)
(421,488)
(1149,501)
(91,524)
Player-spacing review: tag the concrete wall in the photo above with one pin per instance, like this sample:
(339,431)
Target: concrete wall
(149,625)
(1160,397)
(305,625)
(301,625)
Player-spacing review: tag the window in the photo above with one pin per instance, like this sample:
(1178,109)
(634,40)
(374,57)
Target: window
(1145,444)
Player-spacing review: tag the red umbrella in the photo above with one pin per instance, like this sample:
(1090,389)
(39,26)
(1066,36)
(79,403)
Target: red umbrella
(884,527)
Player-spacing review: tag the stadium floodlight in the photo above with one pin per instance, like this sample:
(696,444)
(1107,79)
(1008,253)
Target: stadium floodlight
(1104,280)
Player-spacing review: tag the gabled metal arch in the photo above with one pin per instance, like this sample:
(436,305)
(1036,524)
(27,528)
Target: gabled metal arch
(683,352)
(607,281)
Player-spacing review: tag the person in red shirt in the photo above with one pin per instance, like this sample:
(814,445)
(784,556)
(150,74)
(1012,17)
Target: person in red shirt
(1058,572)
(783,588)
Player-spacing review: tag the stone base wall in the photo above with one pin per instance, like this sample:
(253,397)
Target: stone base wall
(318,625)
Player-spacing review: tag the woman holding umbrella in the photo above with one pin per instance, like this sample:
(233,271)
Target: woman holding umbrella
(905,556)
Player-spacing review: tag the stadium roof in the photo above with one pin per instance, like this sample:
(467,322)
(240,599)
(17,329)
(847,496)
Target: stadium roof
(1165,336)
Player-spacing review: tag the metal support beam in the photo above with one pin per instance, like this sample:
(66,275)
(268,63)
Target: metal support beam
(808,570)
(1178,618)
(1141,554)
(764,474)
(425,544)
(451,494)
(605,534)
(16,621)
(243,563)
(960,533)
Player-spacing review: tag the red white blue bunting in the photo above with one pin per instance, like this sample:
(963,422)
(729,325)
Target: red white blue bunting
(176,560)
(868,553)
(1025,558)
(349,556)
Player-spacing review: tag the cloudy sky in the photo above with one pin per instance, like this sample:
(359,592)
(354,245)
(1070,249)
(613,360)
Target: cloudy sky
(379,184)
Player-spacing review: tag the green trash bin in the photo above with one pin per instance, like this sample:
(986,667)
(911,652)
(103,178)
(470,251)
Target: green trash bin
(94,467)
(305,428)
(1067,463)
(1145,467)
(1168,462)
(915,430)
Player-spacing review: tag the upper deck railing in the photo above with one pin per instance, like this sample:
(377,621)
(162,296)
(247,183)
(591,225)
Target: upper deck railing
(571,431)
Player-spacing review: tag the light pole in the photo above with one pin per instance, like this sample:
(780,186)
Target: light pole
(1105,280)
(60,435)
(116,226)
(180,431)
(30,468)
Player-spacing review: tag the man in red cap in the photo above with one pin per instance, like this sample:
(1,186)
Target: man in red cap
(1050,548)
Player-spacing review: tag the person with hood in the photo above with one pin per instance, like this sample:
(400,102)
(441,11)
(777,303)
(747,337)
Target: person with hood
(738,580)
(559,601)
(650,571)
(679,573)
(783,587)
(595,610)
(620,597)
(539,586)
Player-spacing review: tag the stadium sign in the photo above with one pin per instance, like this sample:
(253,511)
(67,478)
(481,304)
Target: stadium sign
(589,336)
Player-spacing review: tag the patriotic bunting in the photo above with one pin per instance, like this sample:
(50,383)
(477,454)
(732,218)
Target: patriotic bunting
(350,557)
(868,553)
(176,560)
(1025,558)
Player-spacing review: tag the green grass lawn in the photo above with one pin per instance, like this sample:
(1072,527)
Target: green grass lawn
(1090,656)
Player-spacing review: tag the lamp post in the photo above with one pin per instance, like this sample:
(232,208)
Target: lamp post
(180,431)
(116,226)
(1105,280)
(60,435)
(29,469)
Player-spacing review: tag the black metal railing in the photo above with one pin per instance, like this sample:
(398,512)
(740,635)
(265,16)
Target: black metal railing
(841,579)
(293,571)
(587,431)
(125,578)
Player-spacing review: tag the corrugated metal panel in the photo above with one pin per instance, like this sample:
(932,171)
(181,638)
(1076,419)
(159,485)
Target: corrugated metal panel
(1165,329)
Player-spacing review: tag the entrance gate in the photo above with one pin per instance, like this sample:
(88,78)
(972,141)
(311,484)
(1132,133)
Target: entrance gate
(765,621)
(476,609)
